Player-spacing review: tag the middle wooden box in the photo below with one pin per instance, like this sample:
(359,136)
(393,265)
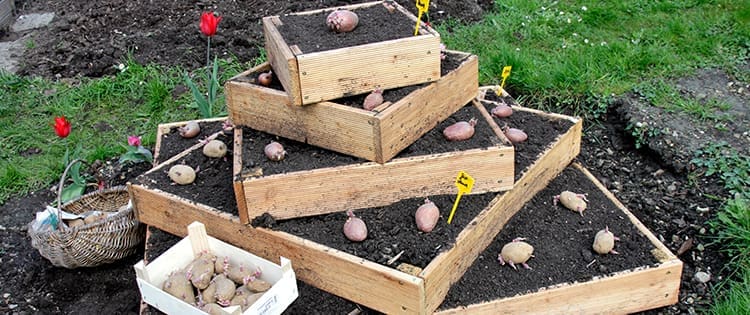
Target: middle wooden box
(312,181)
(376,135)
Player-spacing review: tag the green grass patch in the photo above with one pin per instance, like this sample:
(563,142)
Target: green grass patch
(732,227)
(566,54)
(103,112)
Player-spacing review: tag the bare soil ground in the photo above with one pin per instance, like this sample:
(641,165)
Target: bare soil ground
(87,38)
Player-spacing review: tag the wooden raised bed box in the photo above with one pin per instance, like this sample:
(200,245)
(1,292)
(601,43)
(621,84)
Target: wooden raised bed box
(369,184)
(372,135)
(312,77)
(623,287)
(169,142)
(359,280)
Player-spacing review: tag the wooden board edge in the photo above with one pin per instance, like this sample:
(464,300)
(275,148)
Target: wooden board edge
(665,254)
(473,161)
(621,293)
(488,117)
(312,261)
(347,7)
(282,59)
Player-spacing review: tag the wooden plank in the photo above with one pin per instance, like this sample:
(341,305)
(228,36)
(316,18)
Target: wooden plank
(166,128)
(282,59)
(419,112)
(360,69)
(313,192)
(239,192)
(438,279)
(331,270)
(628,292)
(348,7)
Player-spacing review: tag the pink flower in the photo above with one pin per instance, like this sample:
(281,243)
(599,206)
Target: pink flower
(134,140)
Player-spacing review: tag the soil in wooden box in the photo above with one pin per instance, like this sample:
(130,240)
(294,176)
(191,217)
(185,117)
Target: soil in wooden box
(562,241)
(539,129)
(448,64)
(376,24)
(301,156)
(213,183)
(171,143)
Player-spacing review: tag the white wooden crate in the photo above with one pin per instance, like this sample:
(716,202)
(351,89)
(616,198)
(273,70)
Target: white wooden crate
(151,277)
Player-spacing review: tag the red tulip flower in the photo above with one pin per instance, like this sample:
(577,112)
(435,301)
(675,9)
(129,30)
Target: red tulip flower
(61,126)
(209,23)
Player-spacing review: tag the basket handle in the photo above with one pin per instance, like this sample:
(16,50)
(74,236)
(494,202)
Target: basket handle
(60,188)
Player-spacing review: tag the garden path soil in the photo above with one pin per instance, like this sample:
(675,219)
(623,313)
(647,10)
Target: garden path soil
(88,38)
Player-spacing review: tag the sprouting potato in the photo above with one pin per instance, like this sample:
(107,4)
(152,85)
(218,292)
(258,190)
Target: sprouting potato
(427,216)
(258,285)
(572,201)
(178,285)
(200,271)
(516,252)
(461,130)
(215,149)
(182,174)
(190,129)
(604,242)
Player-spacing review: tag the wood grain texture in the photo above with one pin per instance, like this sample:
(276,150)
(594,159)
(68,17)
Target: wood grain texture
(365,185)
(282,59)
(625,292)
(473,241)
(332,74)
(388,290)
(419,112)
(312,77)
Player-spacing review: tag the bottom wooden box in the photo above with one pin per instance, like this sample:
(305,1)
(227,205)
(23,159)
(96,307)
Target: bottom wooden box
(567,276)
(150,278)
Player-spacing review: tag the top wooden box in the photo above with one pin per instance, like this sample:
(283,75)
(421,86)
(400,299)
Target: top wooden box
(312,77)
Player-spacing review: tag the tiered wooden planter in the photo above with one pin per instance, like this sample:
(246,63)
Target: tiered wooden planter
(320,76)
(372,135)
(369,184)
(628,291)
(388,290)
(169,130)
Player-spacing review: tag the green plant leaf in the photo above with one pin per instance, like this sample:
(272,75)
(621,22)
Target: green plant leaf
(72,191)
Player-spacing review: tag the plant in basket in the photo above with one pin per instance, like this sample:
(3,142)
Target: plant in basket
(85,230)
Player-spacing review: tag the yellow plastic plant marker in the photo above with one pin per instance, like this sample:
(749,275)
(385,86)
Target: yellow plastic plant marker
(464,182)
(505,75)
(422,7)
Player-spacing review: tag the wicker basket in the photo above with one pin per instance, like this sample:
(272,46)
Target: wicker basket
(101,242)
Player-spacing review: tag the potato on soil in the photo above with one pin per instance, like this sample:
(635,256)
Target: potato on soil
(215,149)
(182,174)
(342,21)
(427,216)
(355,228)
(516,252)
(515,135)
(604,242)
(274,151)
(190,129)
(178,285)
(373,100)
(461,130)
(502,111)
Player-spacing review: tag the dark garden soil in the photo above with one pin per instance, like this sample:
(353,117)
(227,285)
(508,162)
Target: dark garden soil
(87,38)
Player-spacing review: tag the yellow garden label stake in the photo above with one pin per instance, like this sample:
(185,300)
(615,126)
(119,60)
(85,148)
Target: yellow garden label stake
(505,75)
(464,182)
(422,7)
